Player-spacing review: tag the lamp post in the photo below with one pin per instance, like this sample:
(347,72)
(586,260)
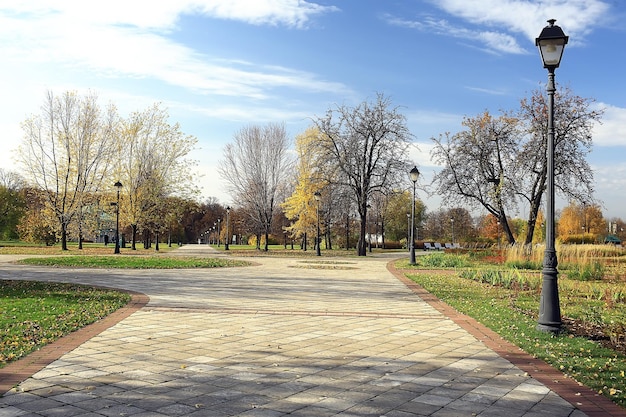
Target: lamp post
(318,197)
(219,232)
(227,241)
(452,223)
(117,185)
(414,174)
(408,231)
(551,43)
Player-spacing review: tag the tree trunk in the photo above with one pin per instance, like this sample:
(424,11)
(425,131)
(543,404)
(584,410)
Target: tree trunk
(532,220)
(63,236)
(329,243)
(134,229)
(347,232)
(507,230)
(362,245)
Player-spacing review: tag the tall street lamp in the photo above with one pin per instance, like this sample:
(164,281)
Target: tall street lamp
(117,185)
(318,197)
(227,241)
(551,43)
(414,174)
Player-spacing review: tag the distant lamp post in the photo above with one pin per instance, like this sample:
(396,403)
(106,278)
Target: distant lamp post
(219,232)
(369,228)
(318,197)
(551,43)
(408,231)
(117,185)
(452,223)
(414,175)
(227,241)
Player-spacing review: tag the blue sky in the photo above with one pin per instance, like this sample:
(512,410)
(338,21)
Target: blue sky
(219,65)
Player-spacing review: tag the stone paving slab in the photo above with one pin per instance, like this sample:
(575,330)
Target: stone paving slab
(282,338)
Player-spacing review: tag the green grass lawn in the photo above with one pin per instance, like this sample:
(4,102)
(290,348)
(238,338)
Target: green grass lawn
(132,262)
(512,313)
(33,314)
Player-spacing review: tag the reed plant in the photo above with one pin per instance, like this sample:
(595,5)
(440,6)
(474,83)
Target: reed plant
(582,262)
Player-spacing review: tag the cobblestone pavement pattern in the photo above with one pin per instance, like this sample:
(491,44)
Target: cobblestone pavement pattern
(285,337)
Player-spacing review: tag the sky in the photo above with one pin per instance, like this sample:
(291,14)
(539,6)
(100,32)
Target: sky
(221,65)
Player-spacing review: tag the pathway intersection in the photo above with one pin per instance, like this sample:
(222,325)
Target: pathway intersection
(285,337)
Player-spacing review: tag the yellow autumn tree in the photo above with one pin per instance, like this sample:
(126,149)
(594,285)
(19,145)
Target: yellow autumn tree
(301,207)
(582,221)
(570,221)
(593,221)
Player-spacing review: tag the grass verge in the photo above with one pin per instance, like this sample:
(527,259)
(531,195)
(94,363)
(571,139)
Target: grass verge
(33,314)
(132,262)
(597,367)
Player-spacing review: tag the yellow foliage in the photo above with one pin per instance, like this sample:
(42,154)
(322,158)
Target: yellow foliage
(301,206)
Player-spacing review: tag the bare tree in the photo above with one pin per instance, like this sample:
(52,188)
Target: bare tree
(256,168)
(574,119)
(363,148)
(478,164)
(498,162)
(11,180)
(66,151)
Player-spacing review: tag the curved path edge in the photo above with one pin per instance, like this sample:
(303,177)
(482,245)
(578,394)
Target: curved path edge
(581,396)
(18,371)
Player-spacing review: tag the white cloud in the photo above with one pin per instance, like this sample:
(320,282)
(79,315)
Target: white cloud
(163,15)
(612,130)
(493,41)
(294,13)
(576,17)
(500,21)
(97,37)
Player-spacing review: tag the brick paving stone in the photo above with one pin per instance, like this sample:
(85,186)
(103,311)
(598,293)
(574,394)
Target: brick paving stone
(279,338)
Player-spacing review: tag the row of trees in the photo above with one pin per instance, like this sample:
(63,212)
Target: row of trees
(74,150)
(350,157)
(387,226)
(353,159)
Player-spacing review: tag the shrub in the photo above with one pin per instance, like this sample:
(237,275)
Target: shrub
(443,260)
(509,278)
(593,271)
(524,264)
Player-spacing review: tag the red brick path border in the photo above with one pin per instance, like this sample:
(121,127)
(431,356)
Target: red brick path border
(580,396)
(16,372)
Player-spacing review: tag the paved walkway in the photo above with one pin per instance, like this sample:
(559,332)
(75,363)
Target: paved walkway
(286,337)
